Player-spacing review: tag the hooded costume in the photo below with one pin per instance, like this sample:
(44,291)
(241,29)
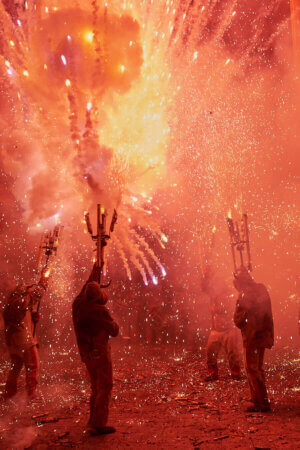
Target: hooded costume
(253,315)
(93,326)
(19,320)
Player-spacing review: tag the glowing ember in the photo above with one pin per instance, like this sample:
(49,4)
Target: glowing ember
(64,61)
(89,35)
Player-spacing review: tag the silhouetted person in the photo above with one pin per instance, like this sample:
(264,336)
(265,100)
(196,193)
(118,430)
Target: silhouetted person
(93,326)
(20,318)
(253,315)
(223,334)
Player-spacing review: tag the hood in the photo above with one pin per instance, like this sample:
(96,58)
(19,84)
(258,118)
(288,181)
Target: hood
(93,293)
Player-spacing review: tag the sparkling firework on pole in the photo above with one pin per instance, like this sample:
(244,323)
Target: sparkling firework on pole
(101,237)
(239,241)
(48,247)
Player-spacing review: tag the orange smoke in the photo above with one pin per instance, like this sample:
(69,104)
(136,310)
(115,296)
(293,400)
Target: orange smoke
(63,48)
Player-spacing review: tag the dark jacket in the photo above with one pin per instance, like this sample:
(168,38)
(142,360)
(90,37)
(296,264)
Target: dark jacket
(253,315)
(93,323)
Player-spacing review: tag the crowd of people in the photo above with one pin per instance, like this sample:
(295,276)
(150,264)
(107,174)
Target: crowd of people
(94,325)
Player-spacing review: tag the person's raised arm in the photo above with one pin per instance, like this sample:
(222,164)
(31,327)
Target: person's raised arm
(95,273)
(94,276)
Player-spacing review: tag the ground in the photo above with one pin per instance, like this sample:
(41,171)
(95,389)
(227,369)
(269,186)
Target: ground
(159,401)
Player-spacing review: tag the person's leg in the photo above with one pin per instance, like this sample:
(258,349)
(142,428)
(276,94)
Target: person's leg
(16,365)
(31,361)
(92,370)
(263,395)
(103,394)
(251,368)
(254,369)
(212,351)
(231,349)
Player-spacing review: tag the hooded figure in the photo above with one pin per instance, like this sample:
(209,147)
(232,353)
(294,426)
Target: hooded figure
(20,318)
(223,334)
(93,326)
(253,315)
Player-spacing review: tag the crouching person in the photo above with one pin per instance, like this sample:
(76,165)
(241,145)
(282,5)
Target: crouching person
(93,326)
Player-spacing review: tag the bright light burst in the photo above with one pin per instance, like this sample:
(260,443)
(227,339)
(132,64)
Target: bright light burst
(121,102)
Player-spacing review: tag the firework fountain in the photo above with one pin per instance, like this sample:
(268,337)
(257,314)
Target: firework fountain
(68,75)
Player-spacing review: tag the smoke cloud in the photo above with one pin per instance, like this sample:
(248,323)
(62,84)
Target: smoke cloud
(174,115)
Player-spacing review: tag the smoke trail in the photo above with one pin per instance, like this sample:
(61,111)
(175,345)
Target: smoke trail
(100,58)
(73,118)
(134,253)
(143,242)
(142,256)
(123,256)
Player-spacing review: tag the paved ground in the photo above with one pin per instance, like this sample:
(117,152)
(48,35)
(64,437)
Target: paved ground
(159,401)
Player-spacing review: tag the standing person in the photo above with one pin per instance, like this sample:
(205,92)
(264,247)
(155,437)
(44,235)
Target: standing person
(253,315)
(222,334)
(20,319)
(93,326)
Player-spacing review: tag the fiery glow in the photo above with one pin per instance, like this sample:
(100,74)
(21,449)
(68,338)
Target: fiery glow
(142,107)
(47,273)
(89,36)
(178,114)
